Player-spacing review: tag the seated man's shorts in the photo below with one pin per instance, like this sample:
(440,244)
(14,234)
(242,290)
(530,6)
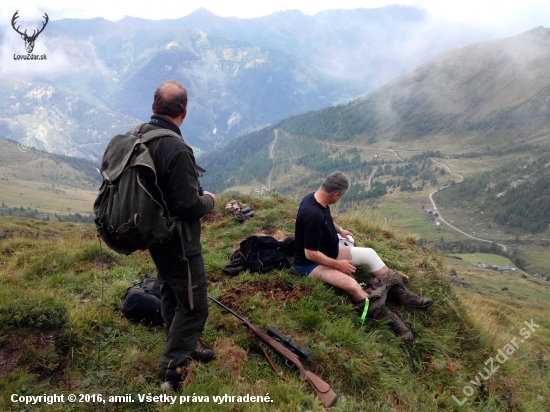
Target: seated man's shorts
(306,269)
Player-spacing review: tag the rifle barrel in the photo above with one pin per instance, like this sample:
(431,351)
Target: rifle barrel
(227,309)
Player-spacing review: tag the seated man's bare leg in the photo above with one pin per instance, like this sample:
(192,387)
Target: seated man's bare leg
(339,280)
(344,252)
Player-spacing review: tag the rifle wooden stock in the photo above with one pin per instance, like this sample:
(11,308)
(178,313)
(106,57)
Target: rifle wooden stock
(325,394)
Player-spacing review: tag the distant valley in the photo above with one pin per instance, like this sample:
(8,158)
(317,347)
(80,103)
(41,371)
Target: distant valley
(478,109)
(242,75)
(471,101)
(43,186)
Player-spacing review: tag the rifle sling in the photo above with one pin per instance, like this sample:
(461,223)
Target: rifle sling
(280,374)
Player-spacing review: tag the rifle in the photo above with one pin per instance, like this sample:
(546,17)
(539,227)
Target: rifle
(325,394)
(279,337)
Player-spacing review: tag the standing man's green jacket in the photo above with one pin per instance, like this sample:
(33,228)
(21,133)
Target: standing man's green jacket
(177,178)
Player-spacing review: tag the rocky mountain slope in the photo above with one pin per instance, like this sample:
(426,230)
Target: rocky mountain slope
(99,76)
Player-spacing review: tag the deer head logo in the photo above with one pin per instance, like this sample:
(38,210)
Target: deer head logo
(29,40)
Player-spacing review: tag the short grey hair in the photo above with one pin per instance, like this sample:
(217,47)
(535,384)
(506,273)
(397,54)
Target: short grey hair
(336,182)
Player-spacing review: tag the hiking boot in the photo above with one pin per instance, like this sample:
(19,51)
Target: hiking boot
(398,327)
(203,354)
(409,299)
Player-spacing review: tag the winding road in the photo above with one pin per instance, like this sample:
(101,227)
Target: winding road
(442,219)
(272,156)
(374,169)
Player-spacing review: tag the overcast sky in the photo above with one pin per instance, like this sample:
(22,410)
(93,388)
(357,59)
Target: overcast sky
(497,17)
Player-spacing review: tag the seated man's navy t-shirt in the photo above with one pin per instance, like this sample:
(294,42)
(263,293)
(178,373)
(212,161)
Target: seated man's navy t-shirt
(314,231)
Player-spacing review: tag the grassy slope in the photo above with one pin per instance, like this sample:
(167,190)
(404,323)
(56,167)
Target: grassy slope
(53,324)
(500,304)
(44,181)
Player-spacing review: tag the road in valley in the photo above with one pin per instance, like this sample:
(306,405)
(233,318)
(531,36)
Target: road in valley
(442,219)
(374,169)
(394,151)
(378,148)
(272,157)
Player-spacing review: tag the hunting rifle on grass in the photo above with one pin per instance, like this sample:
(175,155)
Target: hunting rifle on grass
(325,394)
(279,337)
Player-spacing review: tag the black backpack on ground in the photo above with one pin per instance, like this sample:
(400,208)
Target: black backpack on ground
(142,302)
(260,254)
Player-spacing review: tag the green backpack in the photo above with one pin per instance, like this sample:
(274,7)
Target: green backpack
(130,211)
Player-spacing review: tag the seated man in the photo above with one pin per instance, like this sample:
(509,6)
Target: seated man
(319,254)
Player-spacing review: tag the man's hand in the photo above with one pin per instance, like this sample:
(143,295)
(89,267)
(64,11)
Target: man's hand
(345,266)
(211,194)
(346,233)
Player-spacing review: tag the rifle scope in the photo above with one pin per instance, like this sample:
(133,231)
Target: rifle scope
(274,333)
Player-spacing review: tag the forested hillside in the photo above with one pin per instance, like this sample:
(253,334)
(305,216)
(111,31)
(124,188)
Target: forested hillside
(274,160)
(515,195)
(464,102)
(474,96)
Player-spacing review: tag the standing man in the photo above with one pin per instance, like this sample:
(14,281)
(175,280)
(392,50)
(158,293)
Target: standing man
(318,254)
(184,304)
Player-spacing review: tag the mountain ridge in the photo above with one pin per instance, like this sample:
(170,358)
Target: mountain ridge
(453,104)
(440,94)
(304,63)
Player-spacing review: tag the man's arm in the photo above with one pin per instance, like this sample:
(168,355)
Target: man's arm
(342,232)
(320,258)
(184,184)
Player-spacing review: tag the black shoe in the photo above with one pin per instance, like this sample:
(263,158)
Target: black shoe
(173,379)
(203,354)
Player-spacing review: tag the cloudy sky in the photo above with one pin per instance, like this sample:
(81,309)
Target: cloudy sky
(497,17)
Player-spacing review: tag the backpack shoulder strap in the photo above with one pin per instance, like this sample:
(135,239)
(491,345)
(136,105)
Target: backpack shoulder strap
(121,149)
(135,130)
(155,134)
(152,135)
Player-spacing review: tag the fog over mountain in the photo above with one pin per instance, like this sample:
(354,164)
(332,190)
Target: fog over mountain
(493,95)
(490,93)
(242,74)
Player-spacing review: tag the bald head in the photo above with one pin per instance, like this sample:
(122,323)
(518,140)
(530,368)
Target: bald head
(170,99)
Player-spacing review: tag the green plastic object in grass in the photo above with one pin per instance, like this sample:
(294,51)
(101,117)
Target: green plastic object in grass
(365,310)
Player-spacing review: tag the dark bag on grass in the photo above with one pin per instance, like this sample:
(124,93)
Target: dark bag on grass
(142,302)
(260,254)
